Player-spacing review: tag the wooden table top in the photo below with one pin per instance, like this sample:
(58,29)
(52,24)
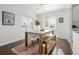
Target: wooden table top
(40,32)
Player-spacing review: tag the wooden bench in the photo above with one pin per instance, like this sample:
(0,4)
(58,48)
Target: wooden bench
(48,44)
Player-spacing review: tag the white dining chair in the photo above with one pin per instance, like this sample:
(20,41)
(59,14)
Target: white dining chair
(32,38)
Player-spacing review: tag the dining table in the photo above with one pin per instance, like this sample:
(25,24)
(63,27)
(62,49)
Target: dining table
(40,34)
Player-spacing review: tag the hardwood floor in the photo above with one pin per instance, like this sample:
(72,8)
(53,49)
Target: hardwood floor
(61,43)
(6,49)
(64,45)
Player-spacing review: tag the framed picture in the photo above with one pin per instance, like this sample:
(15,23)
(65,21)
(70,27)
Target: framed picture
(61,20)
(8,18)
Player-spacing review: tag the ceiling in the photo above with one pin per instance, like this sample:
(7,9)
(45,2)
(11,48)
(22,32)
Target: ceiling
(51,7)
(41,8)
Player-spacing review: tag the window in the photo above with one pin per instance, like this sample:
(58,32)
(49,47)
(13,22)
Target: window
(27,23)
(50,22)
(27,20)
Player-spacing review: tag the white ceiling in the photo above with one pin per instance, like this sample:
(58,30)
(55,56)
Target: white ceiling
(51,7)
(40,8)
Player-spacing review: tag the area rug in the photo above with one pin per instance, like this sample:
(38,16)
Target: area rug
(23,50)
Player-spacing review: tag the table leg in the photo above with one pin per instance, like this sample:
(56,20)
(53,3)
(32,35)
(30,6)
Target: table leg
(46,48)
(41,44)
(26,39)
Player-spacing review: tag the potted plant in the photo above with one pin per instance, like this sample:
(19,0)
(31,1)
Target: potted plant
(37,23)
(74,27)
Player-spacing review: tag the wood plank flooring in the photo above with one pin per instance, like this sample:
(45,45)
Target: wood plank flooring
(61,43)
(6,49)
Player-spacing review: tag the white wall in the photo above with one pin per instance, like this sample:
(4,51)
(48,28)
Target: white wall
(9,34)
(76,12)
(62,29)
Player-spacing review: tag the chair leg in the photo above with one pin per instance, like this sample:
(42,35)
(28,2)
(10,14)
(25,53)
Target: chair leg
(33,43)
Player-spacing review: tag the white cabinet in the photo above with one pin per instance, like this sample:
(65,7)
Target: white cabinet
(75,43)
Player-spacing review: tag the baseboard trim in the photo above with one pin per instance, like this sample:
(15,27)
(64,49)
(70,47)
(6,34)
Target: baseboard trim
(9,42)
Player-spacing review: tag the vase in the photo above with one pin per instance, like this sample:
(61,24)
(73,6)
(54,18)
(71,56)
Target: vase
(38,28)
